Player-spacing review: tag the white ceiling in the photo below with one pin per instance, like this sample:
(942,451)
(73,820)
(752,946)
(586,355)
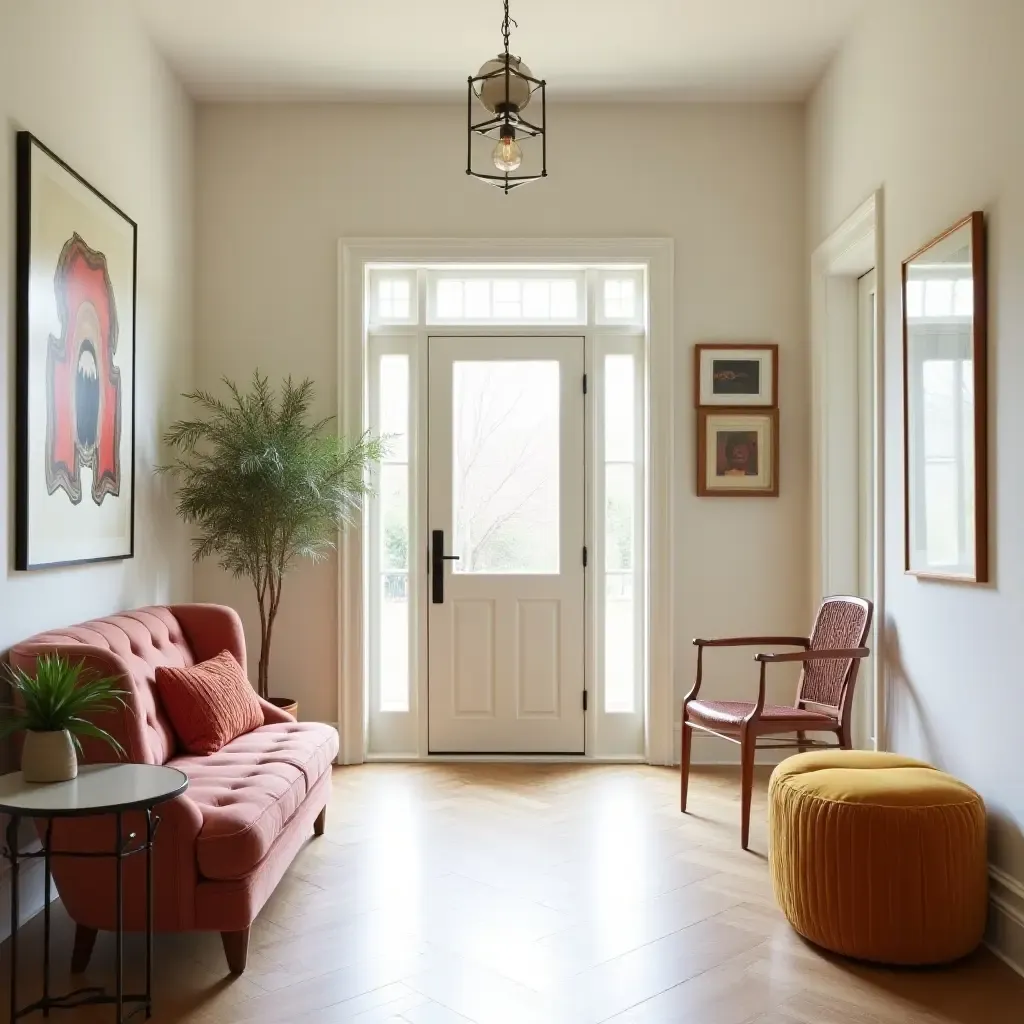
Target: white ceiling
(425,49)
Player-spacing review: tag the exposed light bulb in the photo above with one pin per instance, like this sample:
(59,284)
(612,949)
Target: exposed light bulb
(507,154)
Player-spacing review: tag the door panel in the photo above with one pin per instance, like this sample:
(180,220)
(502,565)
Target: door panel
(506,488)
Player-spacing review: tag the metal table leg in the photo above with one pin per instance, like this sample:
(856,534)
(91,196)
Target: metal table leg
(13,827)
(149,912)
(47,847)
(119,933)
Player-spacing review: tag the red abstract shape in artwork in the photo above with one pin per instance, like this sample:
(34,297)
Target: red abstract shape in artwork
(83,408)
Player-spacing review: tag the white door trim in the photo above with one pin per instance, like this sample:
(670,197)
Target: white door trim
(657,255)
(852,250)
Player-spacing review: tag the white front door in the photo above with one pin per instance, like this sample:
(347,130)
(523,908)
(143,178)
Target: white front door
(506,486)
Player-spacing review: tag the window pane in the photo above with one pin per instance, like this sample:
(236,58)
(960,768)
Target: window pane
(939,376)
(619,644)
(620,298)
(505,466)
(393,642)
(393,296)
(537,299)
(478,300)
(564,299)
(915,298)
(619,409)
(394,406)
(449,300)
(963,297)
(507,303)
(619,517)
(942,509)
(938,297)
(394,517)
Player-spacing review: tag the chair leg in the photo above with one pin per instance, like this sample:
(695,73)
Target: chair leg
(236,949)
(846,736)
(684,763)
(321,821)
(801,739)
(85,941)
(748,744)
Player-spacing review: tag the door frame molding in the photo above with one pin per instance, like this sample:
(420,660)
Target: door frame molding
(354,255)
(852,250)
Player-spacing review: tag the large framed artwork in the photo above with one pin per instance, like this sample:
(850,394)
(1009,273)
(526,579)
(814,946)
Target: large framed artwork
(76,269)
(737,453)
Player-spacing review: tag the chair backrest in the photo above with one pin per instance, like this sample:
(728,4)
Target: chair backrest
(842,623)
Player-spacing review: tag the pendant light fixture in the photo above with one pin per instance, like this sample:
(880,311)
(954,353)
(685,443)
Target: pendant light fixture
(501,90)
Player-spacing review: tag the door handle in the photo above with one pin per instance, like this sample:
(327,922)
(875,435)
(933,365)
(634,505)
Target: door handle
(437,560)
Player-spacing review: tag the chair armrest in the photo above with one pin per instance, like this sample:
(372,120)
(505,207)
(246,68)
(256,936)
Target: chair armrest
(844,654)
(754,641)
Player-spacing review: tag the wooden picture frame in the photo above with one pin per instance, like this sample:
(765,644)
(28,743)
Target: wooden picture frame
(945,405)
(737,452)
(736,375)
(75,278)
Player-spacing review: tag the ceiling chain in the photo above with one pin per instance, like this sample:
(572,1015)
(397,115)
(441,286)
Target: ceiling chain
(506,26)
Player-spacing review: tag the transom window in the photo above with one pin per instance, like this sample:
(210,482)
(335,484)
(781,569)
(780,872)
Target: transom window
(549,297)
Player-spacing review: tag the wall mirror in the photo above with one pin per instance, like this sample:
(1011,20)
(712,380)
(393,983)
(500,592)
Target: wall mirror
(945,408)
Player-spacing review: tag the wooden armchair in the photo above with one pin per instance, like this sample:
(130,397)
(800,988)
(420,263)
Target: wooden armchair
(830,658)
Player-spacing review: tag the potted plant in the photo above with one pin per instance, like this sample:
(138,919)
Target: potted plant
(266,487)
(52,709)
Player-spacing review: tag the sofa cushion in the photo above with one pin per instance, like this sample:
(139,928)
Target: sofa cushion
(209,704)
(248,791)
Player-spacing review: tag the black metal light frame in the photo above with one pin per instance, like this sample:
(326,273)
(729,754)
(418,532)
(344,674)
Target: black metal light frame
(507,116)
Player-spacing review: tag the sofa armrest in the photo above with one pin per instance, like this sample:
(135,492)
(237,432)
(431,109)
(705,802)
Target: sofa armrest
(126,723)
(210,629)
(272,714)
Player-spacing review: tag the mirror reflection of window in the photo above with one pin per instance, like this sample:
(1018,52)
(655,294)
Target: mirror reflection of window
(939,289)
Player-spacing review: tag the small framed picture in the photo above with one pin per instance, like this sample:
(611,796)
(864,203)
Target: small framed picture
(737,453)
(737,375)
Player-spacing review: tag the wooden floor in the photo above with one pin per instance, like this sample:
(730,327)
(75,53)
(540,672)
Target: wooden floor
(536,895)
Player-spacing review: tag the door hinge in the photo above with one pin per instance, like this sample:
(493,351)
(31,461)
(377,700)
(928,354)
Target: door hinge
(584,383)
(586,556)
(584,700)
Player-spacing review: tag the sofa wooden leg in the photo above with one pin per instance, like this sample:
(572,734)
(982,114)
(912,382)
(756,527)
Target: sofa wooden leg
(236,949)
(85,940)
(321,821)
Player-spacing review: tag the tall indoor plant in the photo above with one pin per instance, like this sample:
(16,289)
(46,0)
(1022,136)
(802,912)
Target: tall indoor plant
(266,486)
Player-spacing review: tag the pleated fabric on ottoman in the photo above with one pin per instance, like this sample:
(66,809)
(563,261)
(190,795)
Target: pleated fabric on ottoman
(878,856)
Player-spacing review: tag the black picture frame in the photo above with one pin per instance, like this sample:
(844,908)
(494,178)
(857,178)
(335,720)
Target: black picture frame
(108,483)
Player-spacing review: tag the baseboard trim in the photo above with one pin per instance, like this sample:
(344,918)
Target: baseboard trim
(1005,933)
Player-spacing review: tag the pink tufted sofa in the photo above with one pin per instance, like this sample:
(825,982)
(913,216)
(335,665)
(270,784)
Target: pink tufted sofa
(221,847)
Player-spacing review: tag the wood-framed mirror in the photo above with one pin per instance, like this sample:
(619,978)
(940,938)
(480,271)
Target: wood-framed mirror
(945,406)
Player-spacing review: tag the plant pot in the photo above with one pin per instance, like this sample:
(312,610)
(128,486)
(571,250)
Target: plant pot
(286,704)
(48,757)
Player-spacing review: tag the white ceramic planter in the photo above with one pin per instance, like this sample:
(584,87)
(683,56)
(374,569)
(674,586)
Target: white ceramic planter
(48,757)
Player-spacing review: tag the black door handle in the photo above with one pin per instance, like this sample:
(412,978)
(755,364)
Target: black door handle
(437,560)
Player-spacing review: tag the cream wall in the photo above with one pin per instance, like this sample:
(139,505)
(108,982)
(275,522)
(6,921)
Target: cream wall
(278,186)
(85,80)
(925,100)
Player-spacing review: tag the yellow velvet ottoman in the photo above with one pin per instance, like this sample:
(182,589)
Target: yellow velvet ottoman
(878,856)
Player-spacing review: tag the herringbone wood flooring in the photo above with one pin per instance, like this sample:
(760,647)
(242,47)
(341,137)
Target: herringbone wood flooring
(529,894)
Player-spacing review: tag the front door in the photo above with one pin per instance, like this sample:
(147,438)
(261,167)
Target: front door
(506,504)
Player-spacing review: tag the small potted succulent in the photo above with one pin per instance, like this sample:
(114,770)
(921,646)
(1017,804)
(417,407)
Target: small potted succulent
(51,708)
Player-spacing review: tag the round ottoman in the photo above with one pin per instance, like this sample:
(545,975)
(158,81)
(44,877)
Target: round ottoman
(878,856)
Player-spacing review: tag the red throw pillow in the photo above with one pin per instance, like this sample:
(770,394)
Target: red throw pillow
(209,704)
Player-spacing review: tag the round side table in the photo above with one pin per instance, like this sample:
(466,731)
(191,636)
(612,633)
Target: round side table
(99,789)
